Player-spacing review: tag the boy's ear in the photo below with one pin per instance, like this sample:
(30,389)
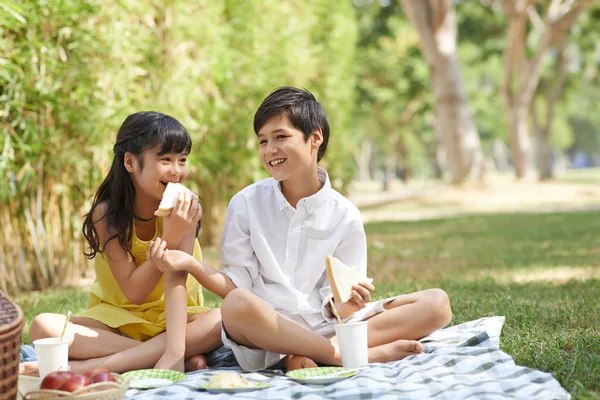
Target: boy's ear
(129,162)
(316,138)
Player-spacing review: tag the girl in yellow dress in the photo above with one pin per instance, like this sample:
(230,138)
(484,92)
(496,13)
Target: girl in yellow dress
(123,326)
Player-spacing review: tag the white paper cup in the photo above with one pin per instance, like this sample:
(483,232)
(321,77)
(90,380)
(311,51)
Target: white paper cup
(354,347)
(52,355)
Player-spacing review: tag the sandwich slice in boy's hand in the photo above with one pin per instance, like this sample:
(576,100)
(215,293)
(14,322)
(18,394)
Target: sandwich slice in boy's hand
(342,278)
(169,198)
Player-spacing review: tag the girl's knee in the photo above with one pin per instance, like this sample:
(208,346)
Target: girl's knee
(44,326)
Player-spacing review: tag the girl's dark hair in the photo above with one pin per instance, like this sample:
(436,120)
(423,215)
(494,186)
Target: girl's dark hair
(139,132)
(302,109)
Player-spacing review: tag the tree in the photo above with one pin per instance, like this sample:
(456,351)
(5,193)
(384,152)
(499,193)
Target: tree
(522,73)
(435,20)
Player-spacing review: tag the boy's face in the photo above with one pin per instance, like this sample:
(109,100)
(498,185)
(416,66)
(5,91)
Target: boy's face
(283,149)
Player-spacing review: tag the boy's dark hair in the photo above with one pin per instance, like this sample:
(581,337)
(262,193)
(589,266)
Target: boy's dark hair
(300,107)
(140,131)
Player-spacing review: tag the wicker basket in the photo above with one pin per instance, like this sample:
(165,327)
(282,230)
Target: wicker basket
(101,391)
(11,326)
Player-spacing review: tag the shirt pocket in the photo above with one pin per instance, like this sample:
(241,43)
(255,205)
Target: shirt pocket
(313,263)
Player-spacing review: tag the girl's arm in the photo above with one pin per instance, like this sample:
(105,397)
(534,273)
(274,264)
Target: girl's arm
(136,283)
(176,260)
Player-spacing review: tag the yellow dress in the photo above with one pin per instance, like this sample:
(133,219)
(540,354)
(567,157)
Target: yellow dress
(108,304)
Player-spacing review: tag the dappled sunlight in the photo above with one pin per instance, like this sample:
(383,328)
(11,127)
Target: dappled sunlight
(556,275)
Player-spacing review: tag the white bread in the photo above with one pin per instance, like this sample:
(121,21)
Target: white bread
(227,380)
(169,198)
(342,278)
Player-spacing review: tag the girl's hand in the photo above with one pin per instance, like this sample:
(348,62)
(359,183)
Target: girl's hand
(168,260)
(184,217)
(361,295)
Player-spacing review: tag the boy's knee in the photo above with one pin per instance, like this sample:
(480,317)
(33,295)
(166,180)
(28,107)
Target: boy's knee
(441,306)
(43,326)
(238,304)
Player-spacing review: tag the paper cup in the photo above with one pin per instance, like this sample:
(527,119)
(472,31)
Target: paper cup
(354,347)
(52,355)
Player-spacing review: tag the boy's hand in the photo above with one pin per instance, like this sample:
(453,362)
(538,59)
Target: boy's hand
(184,217)
(361,295)
(168,260)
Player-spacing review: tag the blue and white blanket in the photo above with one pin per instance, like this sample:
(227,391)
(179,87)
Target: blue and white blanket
(460,362)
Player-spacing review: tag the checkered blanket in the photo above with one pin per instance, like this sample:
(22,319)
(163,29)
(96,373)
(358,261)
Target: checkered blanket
(459,362)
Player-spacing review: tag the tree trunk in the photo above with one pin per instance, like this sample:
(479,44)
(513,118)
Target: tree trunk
(544,155)
(520,144)
(435,21)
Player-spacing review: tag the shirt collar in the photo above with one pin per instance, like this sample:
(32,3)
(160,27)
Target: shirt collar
(312,202)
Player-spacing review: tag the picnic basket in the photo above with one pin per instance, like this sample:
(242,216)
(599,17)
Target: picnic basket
(101,391)
(11,326)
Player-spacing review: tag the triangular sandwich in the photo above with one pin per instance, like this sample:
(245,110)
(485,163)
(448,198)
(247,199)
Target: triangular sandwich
(342,278)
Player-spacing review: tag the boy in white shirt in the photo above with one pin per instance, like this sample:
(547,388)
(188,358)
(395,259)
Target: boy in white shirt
(277,234)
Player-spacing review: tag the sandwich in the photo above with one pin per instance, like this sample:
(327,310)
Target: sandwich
(169,198)
(224,380)
(342,278)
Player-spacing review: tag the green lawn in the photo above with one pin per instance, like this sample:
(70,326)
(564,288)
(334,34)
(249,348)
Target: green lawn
(540,271)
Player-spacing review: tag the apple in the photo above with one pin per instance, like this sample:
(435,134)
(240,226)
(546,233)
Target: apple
(103,376)
(75,382)
(54,379)
(94,371)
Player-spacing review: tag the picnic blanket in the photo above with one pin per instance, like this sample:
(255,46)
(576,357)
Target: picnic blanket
(460,362)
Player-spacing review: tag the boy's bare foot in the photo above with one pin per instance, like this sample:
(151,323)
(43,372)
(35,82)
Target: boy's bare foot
(168,361)
(29,368)
(395,351)
(195,363)
(293,362)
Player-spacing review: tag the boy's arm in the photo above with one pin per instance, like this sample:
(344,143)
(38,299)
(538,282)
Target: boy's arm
(237,254)
(352,251)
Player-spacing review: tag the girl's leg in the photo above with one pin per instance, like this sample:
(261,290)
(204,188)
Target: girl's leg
(203,334)
(176,311)
(88,338)
(251,323)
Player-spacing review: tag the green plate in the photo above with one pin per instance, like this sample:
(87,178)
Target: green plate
(321,375)
(152,378)
(252,387)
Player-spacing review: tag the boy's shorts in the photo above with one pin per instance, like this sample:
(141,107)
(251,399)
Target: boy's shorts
(257,359)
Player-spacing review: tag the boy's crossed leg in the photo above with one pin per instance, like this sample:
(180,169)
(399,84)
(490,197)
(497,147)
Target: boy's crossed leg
(251,323)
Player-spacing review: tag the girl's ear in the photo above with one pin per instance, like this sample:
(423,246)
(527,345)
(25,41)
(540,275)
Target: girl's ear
(129,162)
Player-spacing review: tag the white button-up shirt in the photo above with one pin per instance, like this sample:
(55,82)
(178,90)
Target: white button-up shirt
(278,252)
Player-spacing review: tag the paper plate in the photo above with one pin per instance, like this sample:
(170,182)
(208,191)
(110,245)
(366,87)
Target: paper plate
(253,386)
(321,375)
(152,378)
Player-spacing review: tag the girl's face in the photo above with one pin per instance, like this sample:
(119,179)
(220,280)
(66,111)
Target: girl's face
(152,171)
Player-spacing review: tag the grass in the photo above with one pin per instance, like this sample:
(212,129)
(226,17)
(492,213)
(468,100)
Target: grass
(541,271)
(583,175)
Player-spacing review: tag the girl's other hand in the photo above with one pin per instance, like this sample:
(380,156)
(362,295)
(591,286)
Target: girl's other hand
(168,260)
(184,217)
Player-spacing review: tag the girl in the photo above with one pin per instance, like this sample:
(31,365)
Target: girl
(121,329)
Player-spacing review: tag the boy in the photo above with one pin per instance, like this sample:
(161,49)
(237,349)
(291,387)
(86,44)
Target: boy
(277,234)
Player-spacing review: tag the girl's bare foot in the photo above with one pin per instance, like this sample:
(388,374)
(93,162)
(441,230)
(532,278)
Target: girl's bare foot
(195,363)
(169,361)
(29,368)
(395,351)
(293,362)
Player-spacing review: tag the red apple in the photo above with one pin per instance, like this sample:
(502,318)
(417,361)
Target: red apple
(103,376)
(75,382)
(54,379)
(94,371)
